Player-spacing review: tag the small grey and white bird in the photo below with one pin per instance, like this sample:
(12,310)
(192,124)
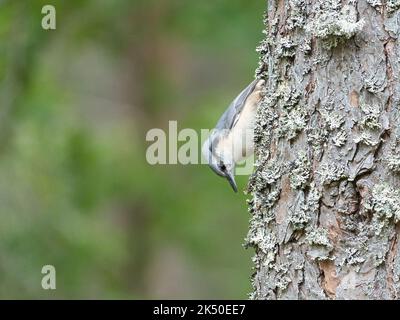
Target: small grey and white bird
(232,139)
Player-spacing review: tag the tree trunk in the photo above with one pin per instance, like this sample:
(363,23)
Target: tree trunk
(325,192)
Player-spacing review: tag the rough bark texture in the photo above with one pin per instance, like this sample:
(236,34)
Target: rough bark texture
(325,194)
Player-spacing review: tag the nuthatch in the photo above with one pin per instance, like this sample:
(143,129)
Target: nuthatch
(232,139)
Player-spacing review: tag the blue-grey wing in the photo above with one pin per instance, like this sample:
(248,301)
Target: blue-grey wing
(231,115)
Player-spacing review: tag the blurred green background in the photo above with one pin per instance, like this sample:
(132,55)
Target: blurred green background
(75,189)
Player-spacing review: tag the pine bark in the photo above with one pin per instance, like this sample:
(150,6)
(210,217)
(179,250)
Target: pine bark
(325,192)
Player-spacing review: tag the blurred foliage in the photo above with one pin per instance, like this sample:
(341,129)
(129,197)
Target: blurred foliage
(75,189)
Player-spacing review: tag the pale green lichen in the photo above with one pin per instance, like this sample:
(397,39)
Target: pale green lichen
(287,97)
(375,83)
(265,118)
(293,118)
(266,243)
(292,122)
(271,198)
(318,236)
(317,137)
(356,250)
(385,205)
(263,50)
(393,162)
(333,119)
(305,46)
(264,204)
(271,172)
(369,123)
(286,48)
(354,256)
(374,3)
(331,171)
(257,263)
(300,217)
(297,11)
(321,59)
(282,280)
(314,196)
(366,138)
(331,23)
(300,173)
(349,222)
(392,5)
(320,245)
(371,116)
(340,139)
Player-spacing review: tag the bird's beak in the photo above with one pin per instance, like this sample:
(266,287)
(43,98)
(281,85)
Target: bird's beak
(231,179)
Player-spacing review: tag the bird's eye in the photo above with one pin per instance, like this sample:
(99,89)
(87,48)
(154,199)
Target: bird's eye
(222,167)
